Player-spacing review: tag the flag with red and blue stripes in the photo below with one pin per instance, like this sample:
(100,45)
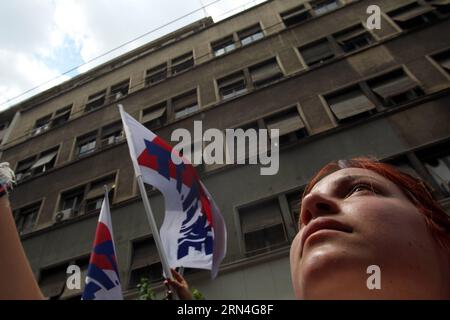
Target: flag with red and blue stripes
(193,232)
(102,281)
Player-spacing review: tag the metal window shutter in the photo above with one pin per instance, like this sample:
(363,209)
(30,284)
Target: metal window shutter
(288,123)
(44,160)
(183,58)
(185,101)
(96,97)
(350,34)
(261,216)
(249,32)
(157,69)
(394,87)
(294,13)
(155,114)
(440,2)
(413,13)
(222,43)
(351,104)
(316,52)
(264,72)
(230,80)
(99,190)
(53,284)
(144,255)
(111,129)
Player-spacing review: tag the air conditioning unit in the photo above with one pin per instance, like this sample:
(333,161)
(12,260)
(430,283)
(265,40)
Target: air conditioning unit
(63,215)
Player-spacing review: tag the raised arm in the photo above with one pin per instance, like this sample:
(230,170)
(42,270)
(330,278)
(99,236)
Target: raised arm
(17,280)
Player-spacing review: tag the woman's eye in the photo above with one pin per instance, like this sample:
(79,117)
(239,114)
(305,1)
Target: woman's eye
(362,187)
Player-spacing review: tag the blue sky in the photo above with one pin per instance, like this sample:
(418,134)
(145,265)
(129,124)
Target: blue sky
(42,39)
(65,57)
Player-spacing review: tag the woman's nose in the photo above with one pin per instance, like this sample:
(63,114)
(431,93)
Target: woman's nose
(315,205)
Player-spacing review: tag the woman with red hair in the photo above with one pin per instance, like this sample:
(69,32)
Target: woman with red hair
(354,214)
(360,213)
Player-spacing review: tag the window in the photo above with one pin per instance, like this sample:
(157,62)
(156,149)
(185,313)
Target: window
(36,164)
(290,125)
(145,263)
(262,227)
(52,281)
(26,217)
(443,59)
(250,35)
(354,38)
(317,52)
(439,169)
(61,116)
(71,200)
(23,168)
(265,73)
(232,85)
(156,74)
(412,16)
(86,144)
(395,88)
(295,16)
(442,6)
(45,161)
(94,205)
(350,104)
(436,160)
(111,134)
(185,104)
(294,200)
(95,101)
(223,46)
(41,125)
(154,116)
(95,195)
(120,90)
(324,6)
(182,63)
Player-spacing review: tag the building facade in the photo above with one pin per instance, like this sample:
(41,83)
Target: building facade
(312,69)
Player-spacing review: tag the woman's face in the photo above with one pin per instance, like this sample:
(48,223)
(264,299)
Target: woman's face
(355,218)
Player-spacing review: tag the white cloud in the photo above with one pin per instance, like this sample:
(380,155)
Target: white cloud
(21,72)
(32,32)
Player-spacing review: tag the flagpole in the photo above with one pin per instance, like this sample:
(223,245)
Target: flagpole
(148,209)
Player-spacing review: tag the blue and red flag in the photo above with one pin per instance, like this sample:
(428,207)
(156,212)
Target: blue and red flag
(193,232)
(102,281)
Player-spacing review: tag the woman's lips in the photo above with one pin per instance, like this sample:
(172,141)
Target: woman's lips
(322,224)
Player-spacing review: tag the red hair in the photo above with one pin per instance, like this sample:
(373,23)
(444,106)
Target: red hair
(415,189)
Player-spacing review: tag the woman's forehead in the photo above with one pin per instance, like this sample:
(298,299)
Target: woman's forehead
(330,181)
